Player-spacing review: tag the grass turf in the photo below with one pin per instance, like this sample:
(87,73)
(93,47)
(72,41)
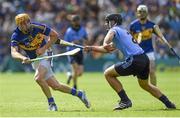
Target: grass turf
(21,96)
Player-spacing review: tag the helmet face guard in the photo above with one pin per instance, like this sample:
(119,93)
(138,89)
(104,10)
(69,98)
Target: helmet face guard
(142,12)
(109,24)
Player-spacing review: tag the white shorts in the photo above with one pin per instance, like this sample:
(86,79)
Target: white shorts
(151,56)
(46,64)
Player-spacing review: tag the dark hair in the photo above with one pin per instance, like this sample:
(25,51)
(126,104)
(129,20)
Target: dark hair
(115,17)
(75,18)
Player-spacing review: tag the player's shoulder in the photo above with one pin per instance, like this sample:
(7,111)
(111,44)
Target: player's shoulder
(69,30)
(135,22)
(38,25)
(150,22)
(16,34)
(16,31)
(117,28)
(82,27)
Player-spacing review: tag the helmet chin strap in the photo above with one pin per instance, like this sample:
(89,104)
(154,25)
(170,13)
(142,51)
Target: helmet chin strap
(115,24)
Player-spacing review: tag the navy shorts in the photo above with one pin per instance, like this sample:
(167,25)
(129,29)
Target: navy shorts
(77,58)
(137,65)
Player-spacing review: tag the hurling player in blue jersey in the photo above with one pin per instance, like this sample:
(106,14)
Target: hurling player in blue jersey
(30,37)
(142,30)
(136,62)
(78,35)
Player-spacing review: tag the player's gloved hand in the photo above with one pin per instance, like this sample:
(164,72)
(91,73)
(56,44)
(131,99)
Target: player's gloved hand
(40,51)
(109,47)
(26,60)
(87,48)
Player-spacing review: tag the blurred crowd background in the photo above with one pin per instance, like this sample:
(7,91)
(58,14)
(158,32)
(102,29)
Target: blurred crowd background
(55,13)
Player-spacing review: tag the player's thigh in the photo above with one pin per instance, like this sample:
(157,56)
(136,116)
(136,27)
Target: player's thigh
(43,70)
(111,71)
(125,68)
(40,72)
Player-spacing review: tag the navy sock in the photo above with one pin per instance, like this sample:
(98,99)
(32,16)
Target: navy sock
(76,93)
(51,100)
(79,94)
(73,91)
(122,94)
(165,100)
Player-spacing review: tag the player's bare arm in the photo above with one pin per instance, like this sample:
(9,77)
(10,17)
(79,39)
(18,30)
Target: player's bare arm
(15,54)
(53,38)
(107,44)
(160,35)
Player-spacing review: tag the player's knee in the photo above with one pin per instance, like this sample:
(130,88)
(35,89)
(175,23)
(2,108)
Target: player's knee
(80,73)
(39,79)
(75,74)
(107,74)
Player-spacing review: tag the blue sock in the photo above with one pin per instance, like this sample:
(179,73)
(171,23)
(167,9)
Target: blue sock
(73,91)
(51,100)
(79,94)
(76,93)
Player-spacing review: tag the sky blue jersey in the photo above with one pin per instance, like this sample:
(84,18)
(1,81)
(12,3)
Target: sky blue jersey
(147,30)
(124,42)
(75,35)
(31,41)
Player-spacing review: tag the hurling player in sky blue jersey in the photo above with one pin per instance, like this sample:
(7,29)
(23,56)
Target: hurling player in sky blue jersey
(136,62)
(30,37)
(142,30)
(77,34)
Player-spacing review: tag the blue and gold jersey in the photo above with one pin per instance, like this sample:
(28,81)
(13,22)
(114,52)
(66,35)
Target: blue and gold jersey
(31,41)
(146,30)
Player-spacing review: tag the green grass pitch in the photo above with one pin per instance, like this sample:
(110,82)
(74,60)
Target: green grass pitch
(21,96)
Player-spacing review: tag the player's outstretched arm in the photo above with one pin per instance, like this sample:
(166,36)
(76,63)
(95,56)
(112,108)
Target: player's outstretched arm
(160,35)
(107,44)
(95,48)
(15,54)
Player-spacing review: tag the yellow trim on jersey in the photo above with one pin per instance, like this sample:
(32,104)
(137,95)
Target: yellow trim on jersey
(35,44)
(146,34)
(40,27)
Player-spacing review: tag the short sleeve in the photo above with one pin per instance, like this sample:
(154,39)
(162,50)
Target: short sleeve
(113,30)
(14,41)
(42,28)
(47,30)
